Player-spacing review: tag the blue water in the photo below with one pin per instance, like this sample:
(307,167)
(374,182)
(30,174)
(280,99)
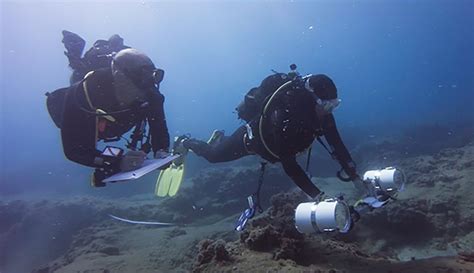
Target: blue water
(396,64)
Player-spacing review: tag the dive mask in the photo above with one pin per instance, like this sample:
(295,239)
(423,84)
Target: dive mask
(146,76)
(328,105)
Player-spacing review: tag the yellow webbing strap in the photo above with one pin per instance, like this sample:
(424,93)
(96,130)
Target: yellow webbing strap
(97,111)
(86,91)
(89,101)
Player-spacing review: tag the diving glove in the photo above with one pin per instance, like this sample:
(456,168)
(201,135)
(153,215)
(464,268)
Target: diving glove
(132,160)
(179,144)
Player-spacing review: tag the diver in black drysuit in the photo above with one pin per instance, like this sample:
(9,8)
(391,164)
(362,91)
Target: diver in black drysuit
(107,103)
(290,126)
(79,126)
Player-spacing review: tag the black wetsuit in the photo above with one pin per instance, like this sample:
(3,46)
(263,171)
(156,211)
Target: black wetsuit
(81,128)
(290,127)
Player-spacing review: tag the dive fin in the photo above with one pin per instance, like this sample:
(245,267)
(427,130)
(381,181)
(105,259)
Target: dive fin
(178,175)
(163,182)
(169,180)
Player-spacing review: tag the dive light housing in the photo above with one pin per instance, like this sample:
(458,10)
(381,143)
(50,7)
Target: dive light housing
(388,181)
(326,216)
(334,215)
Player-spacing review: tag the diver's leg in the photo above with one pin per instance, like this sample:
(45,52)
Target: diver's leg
(230,148)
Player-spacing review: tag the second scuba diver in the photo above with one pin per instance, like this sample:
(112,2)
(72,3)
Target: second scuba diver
(284,115)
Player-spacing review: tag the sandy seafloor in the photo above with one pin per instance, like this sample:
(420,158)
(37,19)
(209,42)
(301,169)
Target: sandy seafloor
(430,228)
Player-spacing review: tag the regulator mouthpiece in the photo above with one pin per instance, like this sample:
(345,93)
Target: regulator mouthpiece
(389,180)
(326,216)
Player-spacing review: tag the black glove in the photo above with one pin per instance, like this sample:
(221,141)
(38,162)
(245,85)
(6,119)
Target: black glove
(73,43)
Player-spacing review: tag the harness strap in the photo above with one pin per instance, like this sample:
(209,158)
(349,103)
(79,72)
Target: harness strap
(333,155)
(98,111)
(308,159)
(325,147)
(259,187)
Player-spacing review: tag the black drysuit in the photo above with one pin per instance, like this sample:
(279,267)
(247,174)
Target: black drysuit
(81,128)
(289,127)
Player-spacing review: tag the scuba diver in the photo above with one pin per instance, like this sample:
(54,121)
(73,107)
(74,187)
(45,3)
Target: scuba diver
(104,105)
(284,115)
(98,56)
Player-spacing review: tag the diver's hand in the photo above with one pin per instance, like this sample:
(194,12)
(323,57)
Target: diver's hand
(161,154)
(132,160)
(181,144)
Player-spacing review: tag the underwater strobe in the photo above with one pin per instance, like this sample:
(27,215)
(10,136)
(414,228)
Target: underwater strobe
(334,215)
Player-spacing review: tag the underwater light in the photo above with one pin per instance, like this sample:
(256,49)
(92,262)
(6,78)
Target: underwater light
(326,216)
(386,181)
(334,215)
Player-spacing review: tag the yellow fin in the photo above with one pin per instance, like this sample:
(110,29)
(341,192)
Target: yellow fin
(163,182)
(178,175)
(169,180)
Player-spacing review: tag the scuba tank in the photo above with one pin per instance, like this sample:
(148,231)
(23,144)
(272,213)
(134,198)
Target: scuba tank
(255,99)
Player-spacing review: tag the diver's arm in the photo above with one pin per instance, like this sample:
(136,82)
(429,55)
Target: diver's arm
(299,177)
(338,148)
(160,138)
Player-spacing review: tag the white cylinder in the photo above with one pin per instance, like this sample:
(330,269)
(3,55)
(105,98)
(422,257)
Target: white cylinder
(328,215)
(392,179)
(388,179)
(371,175)
(303,217)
